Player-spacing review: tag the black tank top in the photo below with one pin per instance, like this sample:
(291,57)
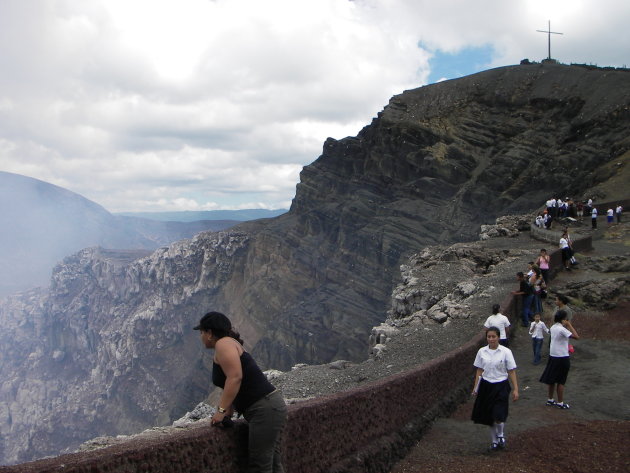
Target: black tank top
(254,384)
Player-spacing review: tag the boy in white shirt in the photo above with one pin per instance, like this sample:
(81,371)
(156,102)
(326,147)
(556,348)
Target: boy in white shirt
(537,330)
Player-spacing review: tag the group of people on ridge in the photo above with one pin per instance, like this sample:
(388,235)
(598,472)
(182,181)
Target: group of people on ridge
(557,208)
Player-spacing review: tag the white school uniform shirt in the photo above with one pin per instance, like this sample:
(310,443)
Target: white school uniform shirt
(495,363)
(564,243)
(609,212)
(559,340)
(619,209)
(594,213)
(538,330)
(499,321)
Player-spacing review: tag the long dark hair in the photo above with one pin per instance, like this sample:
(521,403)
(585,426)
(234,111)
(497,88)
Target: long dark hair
(219,325)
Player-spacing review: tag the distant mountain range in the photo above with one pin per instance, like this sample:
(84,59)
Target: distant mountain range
(192,216)
(41,223)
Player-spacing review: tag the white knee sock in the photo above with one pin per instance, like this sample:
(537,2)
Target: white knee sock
(499,428)
(493,433)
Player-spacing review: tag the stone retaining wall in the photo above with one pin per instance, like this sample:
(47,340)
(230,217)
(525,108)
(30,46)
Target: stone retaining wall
(366,429)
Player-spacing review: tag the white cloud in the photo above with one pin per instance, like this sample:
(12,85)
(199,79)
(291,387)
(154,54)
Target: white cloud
(199,104)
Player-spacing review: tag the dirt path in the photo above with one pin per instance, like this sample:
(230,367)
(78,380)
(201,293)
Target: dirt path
(591,436)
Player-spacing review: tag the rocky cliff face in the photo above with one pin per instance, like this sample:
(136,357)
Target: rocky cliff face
(109,349)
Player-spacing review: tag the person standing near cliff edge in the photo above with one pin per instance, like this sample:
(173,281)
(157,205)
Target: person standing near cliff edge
(246,389)
(527,292)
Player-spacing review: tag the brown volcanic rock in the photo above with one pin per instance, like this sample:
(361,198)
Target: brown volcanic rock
(110,348)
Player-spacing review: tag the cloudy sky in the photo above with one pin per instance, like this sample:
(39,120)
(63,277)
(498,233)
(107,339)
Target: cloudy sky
(151,105)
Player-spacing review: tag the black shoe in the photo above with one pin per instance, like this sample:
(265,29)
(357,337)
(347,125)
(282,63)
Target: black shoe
(493,447)
(501,443)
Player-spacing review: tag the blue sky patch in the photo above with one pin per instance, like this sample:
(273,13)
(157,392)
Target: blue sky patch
(453,65)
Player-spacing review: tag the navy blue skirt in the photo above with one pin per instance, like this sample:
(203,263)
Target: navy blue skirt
(556,371)
(492,402)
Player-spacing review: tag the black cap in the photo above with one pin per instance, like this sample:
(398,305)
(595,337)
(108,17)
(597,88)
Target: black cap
(215,321)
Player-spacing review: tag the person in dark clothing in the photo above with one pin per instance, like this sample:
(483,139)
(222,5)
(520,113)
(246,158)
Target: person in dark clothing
(246,389)
(527,292)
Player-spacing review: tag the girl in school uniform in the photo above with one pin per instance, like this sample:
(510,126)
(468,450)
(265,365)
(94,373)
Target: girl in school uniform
(558,365)
(495,365)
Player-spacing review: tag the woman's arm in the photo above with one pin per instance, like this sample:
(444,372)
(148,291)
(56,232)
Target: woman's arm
(228,356)
(569,327)
(514,381)
(476,383)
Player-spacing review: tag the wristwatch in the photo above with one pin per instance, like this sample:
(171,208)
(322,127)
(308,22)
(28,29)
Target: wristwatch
(221,410)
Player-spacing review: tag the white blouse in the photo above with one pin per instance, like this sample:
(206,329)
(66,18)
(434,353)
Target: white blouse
(495,363)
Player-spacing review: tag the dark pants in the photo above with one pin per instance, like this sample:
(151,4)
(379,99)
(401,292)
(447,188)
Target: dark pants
(266,419)
(594,222)
(545,275)
(537,347)
(527,309)
(537,301)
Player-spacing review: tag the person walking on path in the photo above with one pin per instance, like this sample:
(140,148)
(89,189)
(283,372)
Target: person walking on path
(537,330)
(495,365)
(557,369)
(497,319)
(618,211)
(246,389)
